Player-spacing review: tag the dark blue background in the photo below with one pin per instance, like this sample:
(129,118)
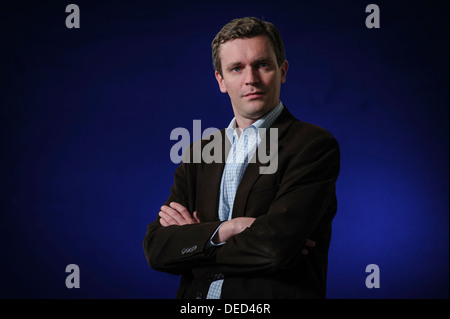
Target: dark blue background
(86,116)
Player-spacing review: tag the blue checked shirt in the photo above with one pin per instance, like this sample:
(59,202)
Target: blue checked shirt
(243,147)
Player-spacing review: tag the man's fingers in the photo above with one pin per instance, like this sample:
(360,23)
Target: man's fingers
(168,220)
(163,222)
(195,214)
(310,243)
(181,210)
(177,214)
(173,213)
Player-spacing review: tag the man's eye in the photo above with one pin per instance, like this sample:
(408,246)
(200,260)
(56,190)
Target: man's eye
(236,69)
(263,65)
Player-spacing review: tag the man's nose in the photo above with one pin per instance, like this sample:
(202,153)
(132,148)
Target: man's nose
(251,76)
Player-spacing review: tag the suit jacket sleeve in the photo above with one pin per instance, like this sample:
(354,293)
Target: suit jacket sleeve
(174,249)
(306,193)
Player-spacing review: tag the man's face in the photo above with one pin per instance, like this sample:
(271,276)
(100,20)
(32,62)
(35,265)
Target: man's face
(251,77)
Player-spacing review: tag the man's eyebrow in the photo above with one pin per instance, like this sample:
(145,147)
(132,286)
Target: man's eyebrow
(232,65)
(263,59)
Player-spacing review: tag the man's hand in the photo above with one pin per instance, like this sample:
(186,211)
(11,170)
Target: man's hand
(232,227)
(309,244)
(176,214)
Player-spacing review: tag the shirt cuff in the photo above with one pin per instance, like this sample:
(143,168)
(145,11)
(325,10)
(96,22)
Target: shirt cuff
(210,243)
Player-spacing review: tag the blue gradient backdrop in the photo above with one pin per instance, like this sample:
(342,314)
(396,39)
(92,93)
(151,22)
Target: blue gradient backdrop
(86,116)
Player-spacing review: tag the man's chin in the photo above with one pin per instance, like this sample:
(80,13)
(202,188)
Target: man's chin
(257,108)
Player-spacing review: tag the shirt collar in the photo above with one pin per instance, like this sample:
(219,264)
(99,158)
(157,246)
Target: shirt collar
(264,122)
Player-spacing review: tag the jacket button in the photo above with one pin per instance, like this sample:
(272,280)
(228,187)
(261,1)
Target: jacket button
(198,295)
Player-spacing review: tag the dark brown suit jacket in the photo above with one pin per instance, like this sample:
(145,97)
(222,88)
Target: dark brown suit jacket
(264,261)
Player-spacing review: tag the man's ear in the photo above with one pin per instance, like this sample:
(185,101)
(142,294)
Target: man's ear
(220,80)
(284,68)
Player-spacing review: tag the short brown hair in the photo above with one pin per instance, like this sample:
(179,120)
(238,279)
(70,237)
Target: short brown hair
(248,27)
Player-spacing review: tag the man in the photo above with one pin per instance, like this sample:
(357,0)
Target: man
(230,230)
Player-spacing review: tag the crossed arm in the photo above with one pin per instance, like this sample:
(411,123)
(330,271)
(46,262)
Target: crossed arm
(177,214)
(305,202)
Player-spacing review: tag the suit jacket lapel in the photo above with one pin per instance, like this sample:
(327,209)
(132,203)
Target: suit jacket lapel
(211,178)
(252,172)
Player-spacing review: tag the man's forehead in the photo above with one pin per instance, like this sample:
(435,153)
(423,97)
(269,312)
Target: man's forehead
(256,48)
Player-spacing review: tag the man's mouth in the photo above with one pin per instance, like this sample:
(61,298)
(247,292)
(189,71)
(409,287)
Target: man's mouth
(253,95)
